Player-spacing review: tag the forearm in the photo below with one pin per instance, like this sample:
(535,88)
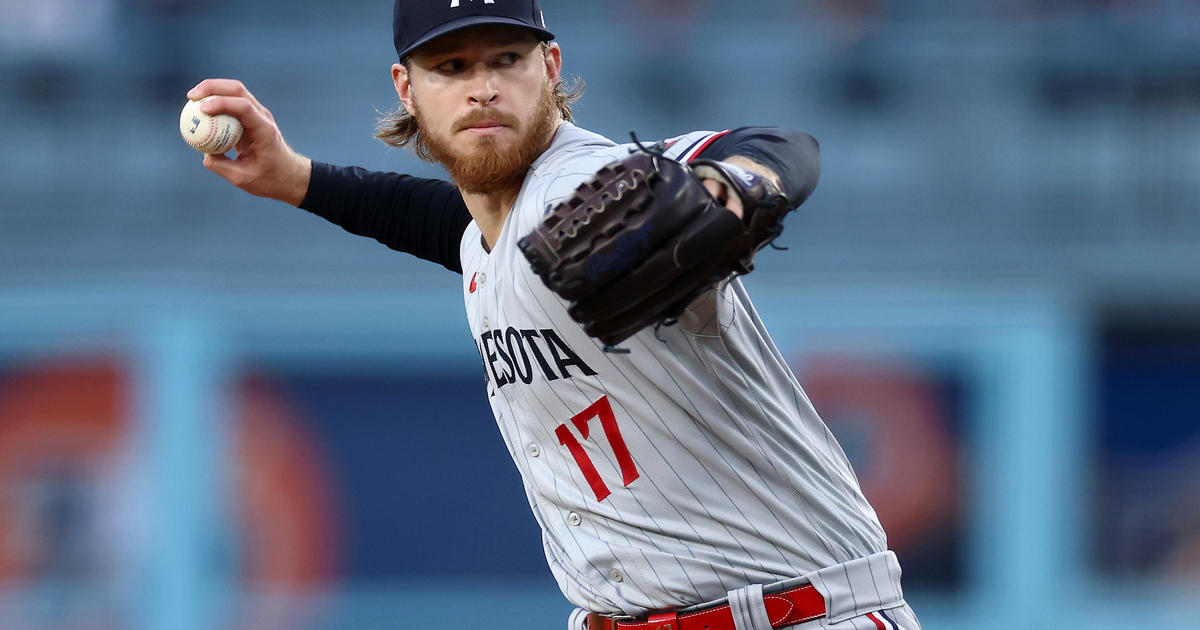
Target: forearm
(423,217)
(789,158)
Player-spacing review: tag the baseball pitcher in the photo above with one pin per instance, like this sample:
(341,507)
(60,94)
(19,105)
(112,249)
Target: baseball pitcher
(680,476)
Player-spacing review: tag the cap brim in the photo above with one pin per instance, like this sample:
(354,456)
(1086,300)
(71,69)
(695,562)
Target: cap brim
(474,20)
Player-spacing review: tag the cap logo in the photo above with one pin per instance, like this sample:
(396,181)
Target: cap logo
(454,3)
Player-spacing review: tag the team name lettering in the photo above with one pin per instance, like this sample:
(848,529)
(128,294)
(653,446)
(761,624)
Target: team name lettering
(514,355)
(454,3)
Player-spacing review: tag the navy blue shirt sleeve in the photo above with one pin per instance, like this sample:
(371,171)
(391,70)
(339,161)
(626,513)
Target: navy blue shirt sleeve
(420,216)
(794,155)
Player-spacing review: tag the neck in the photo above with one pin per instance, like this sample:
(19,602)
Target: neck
(490,210)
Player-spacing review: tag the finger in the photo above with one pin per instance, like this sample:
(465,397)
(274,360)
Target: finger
(258,127)
(215,162)
(243,144)
(224,166)
(720,192)
(226,87)
(716,189)
(219,87)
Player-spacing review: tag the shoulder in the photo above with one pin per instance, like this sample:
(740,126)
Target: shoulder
(574,156)
(574,151)
(689,145)
(563,177)
(564,167)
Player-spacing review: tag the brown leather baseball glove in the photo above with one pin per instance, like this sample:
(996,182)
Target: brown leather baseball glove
(641,239)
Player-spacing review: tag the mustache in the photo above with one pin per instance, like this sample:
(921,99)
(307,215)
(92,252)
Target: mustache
(481,115)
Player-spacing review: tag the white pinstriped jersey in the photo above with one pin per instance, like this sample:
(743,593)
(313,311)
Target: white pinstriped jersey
(668,476)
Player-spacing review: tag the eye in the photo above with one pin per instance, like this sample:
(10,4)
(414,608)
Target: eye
(451,66)
(508,58)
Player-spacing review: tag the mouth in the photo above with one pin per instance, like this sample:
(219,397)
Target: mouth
(485,128)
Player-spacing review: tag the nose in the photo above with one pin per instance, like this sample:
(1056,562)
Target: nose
(483,88)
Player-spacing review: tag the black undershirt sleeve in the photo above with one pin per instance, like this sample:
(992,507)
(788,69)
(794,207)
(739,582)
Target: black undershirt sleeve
(420,216)
(427,217)
(793,155)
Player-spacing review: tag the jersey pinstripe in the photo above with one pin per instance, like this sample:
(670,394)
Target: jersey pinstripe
(671,475)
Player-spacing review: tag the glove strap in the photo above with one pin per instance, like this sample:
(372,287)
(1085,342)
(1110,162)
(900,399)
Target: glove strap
(750,187)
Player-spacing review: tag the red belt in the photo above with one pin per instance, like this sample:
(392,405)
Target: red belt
(783,609)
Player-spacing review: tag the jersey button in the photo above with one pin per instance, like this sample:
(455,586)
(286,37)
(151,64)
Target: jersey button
(486,327)
(534,450)
(616,575)
(574,518)
(481,278)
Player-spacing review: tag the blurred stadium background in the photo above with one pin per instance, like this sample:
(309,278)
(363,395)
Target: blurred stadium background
(221,412)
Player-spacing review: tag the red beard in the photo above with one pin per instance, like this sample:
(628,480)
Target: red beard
(492,166)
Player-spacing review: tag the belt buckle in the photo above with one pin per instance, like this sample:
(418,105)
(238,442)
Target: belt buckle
(596,621)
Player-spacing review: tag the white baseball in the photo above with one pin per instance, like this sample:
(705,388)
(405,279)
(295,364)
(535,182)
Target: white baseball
(208,134)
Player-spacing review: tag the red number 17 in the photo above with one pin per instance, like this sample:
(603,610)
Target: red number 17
(608,422)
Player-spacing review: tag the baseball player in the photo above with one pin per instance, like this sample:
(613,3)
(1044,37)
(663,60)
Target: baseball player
(682,480)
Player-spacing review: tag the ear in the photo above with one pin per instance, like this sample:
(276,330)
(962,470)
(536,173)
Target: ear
(553,63)
(403,83)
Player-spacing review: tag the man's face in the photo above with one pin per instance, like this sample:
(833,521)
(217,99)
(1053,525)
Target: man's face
(482,97)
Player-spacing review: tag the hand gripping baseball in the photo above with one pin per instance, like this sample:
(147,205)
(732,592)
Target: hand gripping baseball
(641,239)
(265,165)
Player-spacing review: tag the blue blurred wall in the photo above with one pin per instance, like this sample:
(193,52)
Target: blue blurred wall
(1008,188)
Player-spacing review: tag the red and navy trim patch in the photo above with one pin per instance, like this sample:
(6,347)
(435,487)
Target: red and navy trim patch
(882,621)
(700,145)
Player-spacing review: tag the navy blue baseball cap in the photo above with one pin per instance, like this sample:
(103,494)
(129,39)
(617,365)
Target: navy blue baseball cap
(415,22)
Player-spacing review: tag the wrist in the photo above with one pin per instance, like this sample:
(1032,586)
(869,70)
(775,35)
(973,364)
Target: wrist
(757,168)
(298,180)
